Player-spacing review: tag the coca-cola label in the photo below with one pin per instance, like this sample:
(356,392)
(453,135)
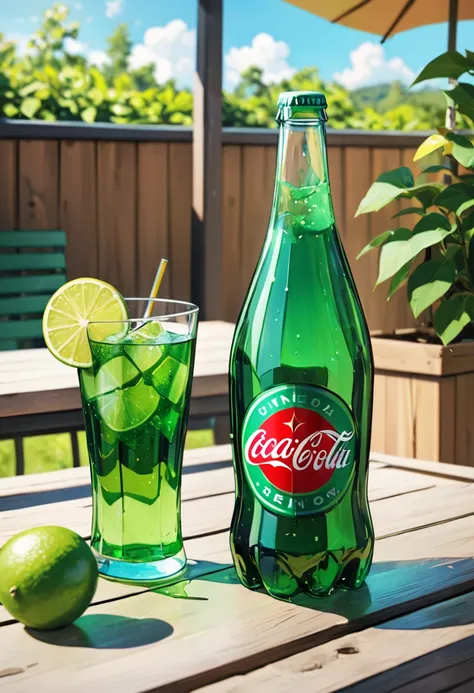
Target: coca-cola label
(298,449)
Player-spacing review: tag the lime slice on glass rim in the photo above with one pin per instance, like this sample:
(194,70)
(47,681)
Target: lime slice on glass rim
(68,313)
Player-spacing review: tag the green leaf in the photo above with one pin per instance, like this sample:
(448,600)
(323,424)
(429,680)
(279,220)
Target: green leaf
(425,193)
(375,242)
(432,221)
(409,210)
(449,64)
(388,186)
(464,155)
(463,93)
(89,114)
(378,196)
(398,280)
(467,225)
(404,246)
(465,206)
(429,282)
(430,145)
(452,197)
(436,169)
(30,106)
(466,110)
(470,258)
(462,149)
(454,252)
(401,177)
(10,110)
(453,315)
(32,87)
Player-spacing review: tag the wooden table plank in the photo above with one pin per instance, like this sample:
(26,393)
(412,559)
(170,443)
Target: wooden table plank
(152,642)
(201,515)
(429,650)
(55,385)
(210,515)
(133,640)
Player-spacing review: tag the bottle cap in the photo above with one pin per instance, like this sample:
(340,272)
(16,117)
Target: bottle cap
(302,99)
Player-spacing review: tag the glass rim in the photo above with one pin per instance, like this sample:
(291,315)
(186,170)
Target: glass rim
(192,309)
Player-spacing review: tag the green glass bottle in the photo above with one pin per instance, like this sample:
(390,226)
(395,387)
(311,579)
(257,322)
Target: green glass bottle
(301,382)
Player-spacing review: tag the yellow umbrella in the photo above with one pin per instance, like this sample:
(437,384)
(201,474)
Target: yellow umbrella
(389,17)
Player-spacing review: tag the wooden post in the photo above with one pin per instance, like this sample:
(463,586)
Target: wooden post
(207,163)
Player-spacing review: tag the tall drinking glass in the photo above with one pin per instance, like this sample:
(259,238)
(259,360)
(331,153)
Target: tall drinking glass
(135,400)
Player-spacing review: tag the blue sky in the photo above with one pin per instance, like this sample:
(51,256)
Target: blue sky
(272,33)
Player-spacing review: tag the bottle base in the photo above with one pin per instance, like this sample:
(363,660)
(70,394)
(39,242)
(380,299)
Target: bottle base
(135,572)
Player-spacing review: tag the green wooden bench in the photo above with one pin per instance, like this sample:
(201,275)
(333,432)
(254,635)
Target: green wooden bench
(32,267)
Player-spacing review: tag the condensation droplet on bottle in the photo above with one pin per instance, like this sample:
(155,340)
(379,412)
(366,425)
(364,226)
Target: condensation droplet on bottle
(296,351)
(316,538)
(297,336)
(302,224)
(286,288)
(273,279)
(231,436)
(276,319)
(332,358)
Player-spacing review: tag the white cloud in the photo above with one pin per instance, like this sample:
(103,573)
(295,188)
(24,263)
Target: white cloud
(264,52)
(89,20)
(34,18)
(369,66)
(79,6)
(74,47)
(171,49)
(113,7)
(21,41)
(99,58)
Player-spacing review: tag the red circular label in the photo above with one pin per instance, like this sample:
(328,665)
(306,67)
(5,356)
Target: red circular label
(291,448)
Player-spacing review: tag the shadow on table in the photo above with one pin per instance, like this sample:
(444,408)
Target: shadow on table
(207,571)
(106,631)
(400,587)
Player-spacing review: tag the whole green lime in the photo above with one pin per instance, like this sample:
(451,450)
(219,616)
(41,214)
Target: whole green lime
(48,576)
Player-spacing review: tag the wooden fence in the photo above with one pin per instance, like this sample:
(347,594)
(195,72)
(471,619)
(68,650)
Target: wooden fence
(124,198)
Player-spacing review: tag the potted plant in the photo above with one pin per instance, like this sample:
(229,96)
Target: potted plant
(425,376)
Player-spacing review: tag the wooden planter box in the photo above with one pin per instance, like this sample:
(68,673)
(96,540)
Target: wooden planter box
(424,400)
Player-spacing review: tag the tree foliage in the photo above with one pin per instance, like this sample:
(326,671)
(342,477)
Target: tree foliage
(48,82)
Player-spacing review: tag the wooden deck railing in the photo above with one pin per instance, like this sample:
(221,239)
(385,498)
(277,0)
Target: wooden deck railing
(124,197)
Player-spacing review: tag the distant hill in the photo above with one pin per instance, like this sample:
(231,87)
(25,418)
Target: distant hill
(384,97)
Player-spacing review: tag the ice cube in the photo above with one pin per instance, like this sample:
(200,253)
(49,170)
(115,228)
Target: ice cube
(116,373)
(86,376)
(166,422)
(170,379)
(144,357)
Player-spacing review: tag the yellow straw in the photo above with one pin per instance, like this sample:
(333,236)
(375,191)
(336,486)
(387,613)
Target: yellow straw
(155,288)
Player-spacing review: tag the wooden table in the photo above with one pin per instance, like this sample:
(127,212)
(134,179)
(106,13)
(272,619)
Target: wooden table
(40,394)
(410,629)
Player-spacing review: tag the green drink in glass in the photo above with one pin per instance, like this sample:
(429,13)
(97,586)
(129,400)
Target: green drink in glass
(136,399)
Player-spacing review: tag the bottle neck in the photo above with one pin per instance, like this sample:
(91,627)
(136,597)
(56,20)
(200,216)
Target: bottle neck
(302,198)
